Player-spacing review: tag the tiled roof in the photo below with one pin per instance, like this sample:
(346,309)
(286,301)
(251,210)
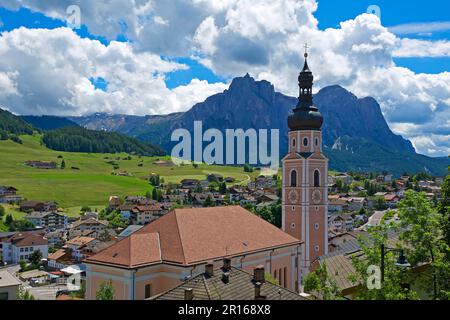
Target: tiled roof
(239,287)
(80,241)
(132,251)
(28,239)
(189,236)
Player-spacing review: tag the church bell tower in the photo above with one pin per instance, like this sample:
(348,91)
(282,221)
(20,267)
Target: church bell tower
(305,177)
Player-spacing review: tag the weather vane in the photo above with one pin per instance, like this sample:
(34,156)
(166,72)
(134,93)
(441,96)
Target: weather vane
(306,50)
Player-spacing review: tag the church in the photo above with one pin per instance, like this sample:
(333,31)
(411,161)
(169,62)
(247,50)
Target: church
(305,177)
(179,248)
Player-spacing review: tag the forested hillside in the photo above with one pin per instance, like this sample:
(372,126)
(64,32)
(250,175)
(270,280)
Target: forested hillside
(77,139)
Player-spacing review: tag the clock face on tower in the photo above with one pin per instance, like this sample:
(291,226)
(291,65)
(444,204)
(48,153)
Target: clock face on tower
(317,196)
(293,196)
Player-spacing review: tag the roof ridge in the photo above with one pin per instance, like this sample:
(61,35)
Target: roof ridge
(179,235)
(208,292)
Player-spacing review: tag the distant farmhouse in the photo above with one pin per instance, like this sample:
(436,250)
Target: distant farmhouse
(47,165)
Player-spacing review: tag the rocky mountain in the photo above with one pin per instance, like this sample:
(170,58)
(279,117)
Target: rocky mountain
(356,135)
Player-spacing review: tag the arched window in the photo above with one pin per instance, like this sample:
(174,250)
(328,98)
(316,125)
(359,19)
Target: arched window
(317,142)
(305,142)
(293,143)
(293,178)
(316,178)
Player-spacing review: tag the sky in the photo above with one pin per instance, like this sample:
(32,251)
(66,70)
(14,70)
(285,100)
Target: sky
(78,57)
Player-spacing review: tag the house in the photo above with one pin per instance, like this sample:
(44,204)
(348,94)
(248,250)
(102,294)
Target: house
(88,226)
(337,205)
(48,220)
(60,259)
(46,165)
(263,182)
(9,286)
(145,214)
(384,178)
(391,199)
(9,195)
(56,238)
(39,206)
(19,246)
(356,203)
(225,282)
(165,253)
(189,184)
(77,245)
(138,200)
(214,177)
(114,202)
(345,178)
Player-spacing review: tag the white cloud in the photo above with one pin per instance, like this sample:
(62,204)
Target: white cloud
(49,71)
(421,48)
(420,28)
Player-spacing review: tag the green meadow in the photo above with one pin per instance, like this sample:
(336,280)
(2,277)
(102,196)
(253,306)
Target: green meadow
(93,181)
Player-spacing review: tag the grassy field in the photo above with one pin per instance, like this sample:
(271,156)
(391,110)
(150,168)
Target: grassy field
(93,183)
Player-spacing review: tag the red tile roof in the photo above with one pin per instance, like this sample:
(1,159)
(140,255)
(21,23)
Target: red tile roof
(189,236)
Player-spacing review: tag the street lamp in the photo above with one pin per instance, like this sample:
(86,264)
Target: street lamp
(401,261)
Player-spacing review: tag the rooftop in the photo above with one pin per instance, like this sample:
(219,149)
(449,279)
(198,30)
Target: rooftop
(239,285)
(190,236)
(8,280)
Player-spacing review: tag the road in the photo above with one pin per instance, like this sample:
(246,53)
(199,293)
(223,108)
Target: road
(374,220)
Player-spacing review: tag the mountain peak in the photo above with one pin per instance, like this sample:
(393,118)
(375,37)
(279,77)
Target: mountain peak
(247,84)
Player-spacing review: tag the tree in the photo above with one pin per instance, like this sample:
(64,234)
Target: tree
(421,229)
(24,294)
(319,284)
(223,188)
(208,202)
(105,236)
(35,258)
(248,168)
(155,180)
(106,291)
(63,164)
(85,209)
(393,287)
(156,194)
(380,203)
(9,220)
(148,195)
(2,211)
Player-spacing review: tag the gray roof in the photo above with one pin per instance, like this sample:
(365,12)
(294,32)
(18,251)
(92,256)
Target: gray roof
(240,287)
(129,230)
(8,280)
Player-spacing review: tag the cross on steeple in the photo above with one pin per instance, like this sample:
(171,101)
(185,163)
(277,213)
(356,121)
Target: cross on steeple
(306,50)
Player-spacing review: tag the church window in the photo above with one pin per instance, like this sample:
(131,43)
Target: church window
(293,143)
(293,226)
(317,142)
(317,248)
(316,226)
(293,178)
(316,178)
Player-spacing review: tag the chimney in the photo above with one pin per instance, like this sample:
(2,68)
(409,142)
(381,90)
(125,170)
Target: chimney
(259,274)
(226,277)
(188,294)
(226,264)
(209,270)
(258,295)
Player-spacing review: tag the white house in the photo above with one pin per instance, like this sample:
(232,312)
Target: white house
(20,246)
